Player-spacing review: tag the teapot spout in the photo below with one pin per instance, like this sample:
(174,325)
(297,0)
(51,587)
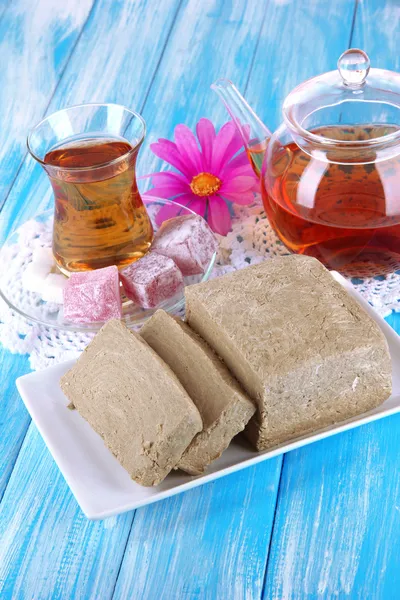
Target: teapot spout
(255,134)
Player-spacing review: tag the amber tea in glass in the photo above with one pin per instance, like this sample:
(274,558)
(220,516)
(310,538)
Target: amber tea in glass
(99,217)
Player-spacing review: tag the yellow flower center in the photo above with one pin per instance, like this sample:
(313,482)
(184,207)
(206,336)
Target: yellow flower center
(205,184)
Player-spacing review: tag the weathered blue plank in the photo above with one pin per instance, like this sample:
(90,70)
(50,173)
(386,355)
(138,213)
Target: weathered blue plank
(14,419)
(377,31)
(48,549)
(337,529)
(160,543)
(115,61)
(36,41)
(109,21)
(208,544)
(104,61)
(236,566)
(299,40)
(195,25)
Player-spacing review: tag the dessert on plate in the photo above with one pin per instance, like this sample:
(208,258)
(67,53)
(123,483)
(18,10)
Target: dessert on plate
(279,349)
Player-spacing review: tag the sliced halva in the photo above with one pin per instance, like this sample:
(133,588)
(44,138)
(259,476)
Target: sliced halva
(133,400)
(224,407)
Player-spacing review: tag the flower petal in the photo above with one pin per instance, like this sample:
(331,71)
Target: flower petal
(156,193)
(170,177)
(219,217)
(237,184)
(169,152)
(176,180)
(184,200)
(229,172)
(223,139)
(239,160)
(198,206)
(230,168)
(188,148)
(206,133)
(233,147)
(242,198)
(168,211)
(164,191)
(148,175)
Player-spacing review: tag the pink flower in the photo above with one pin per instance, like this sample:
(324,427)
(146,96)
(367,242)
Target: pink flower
(207,177)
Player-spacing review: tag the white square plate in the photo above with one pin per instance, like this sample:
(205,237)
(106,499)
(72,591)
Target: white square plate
(103,488)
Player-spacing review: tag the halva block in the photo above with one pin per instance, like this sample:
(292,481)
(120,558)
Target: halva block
(303,349)
(133,400)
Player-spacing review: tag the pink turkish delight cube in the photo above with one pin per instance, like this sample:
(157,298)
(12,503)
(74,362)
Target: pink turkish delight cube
(92,296)
(189,241)
(152,280)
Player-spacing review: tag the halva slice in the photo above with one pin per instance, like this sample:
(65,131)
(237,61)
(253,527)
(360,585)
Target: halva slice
(134,401)
(300,345)
(222,403)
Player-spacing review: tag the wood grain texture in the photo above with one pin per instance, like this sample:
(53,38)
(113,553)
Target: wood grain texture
(36,41)
(49,550)
(336,532)
(207,544)
(181,574)
(115,61)
(109,21)
(210,39)
(338,499)
(377,31)
(14,419)
(117,35)
(298,40)
(337,527)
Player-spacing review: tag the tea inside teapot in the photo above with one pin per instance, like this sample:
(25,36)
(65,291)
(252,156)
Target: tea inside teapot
(346,215)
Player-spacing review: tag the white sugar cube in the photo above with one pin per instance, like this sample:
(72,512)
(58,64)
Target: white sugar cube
(34,276)
(43,256)
(52,288)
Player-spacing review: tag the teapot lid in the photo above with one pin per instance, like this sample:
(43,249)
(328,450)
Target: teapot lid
(354,94)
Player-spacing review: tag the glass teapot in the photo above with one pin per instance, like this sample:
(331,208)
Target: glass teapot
(330,174)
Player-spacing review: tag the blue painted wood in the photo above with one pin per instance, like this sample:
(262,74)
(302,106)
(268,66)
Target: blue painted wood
(14,419)
(116,34)
(299,40)
(108,21)
(201,34)
(213,541)
(336,531)
(207,544)
(36,41)
(48,549)
(181,39)
(337,527)
(115,61)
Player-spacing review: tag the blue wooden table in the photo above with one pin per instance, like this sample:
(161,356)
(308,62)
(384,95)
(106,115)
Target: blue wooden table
(320,522)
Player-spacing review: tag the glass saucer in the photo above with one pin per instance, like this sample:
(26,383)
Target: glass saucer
(16,254)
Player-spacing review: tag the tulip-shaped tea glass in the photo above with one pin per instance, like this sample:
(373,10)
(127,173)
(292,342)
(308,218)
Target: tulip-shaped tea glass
(89,153)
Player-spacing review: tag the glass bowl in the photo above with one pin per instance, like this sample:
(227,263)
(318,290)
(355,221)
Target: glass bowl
(37,232)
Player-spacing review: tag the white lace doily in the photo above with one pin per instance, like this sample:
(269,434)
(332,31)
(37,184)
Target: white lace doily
(251,241)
